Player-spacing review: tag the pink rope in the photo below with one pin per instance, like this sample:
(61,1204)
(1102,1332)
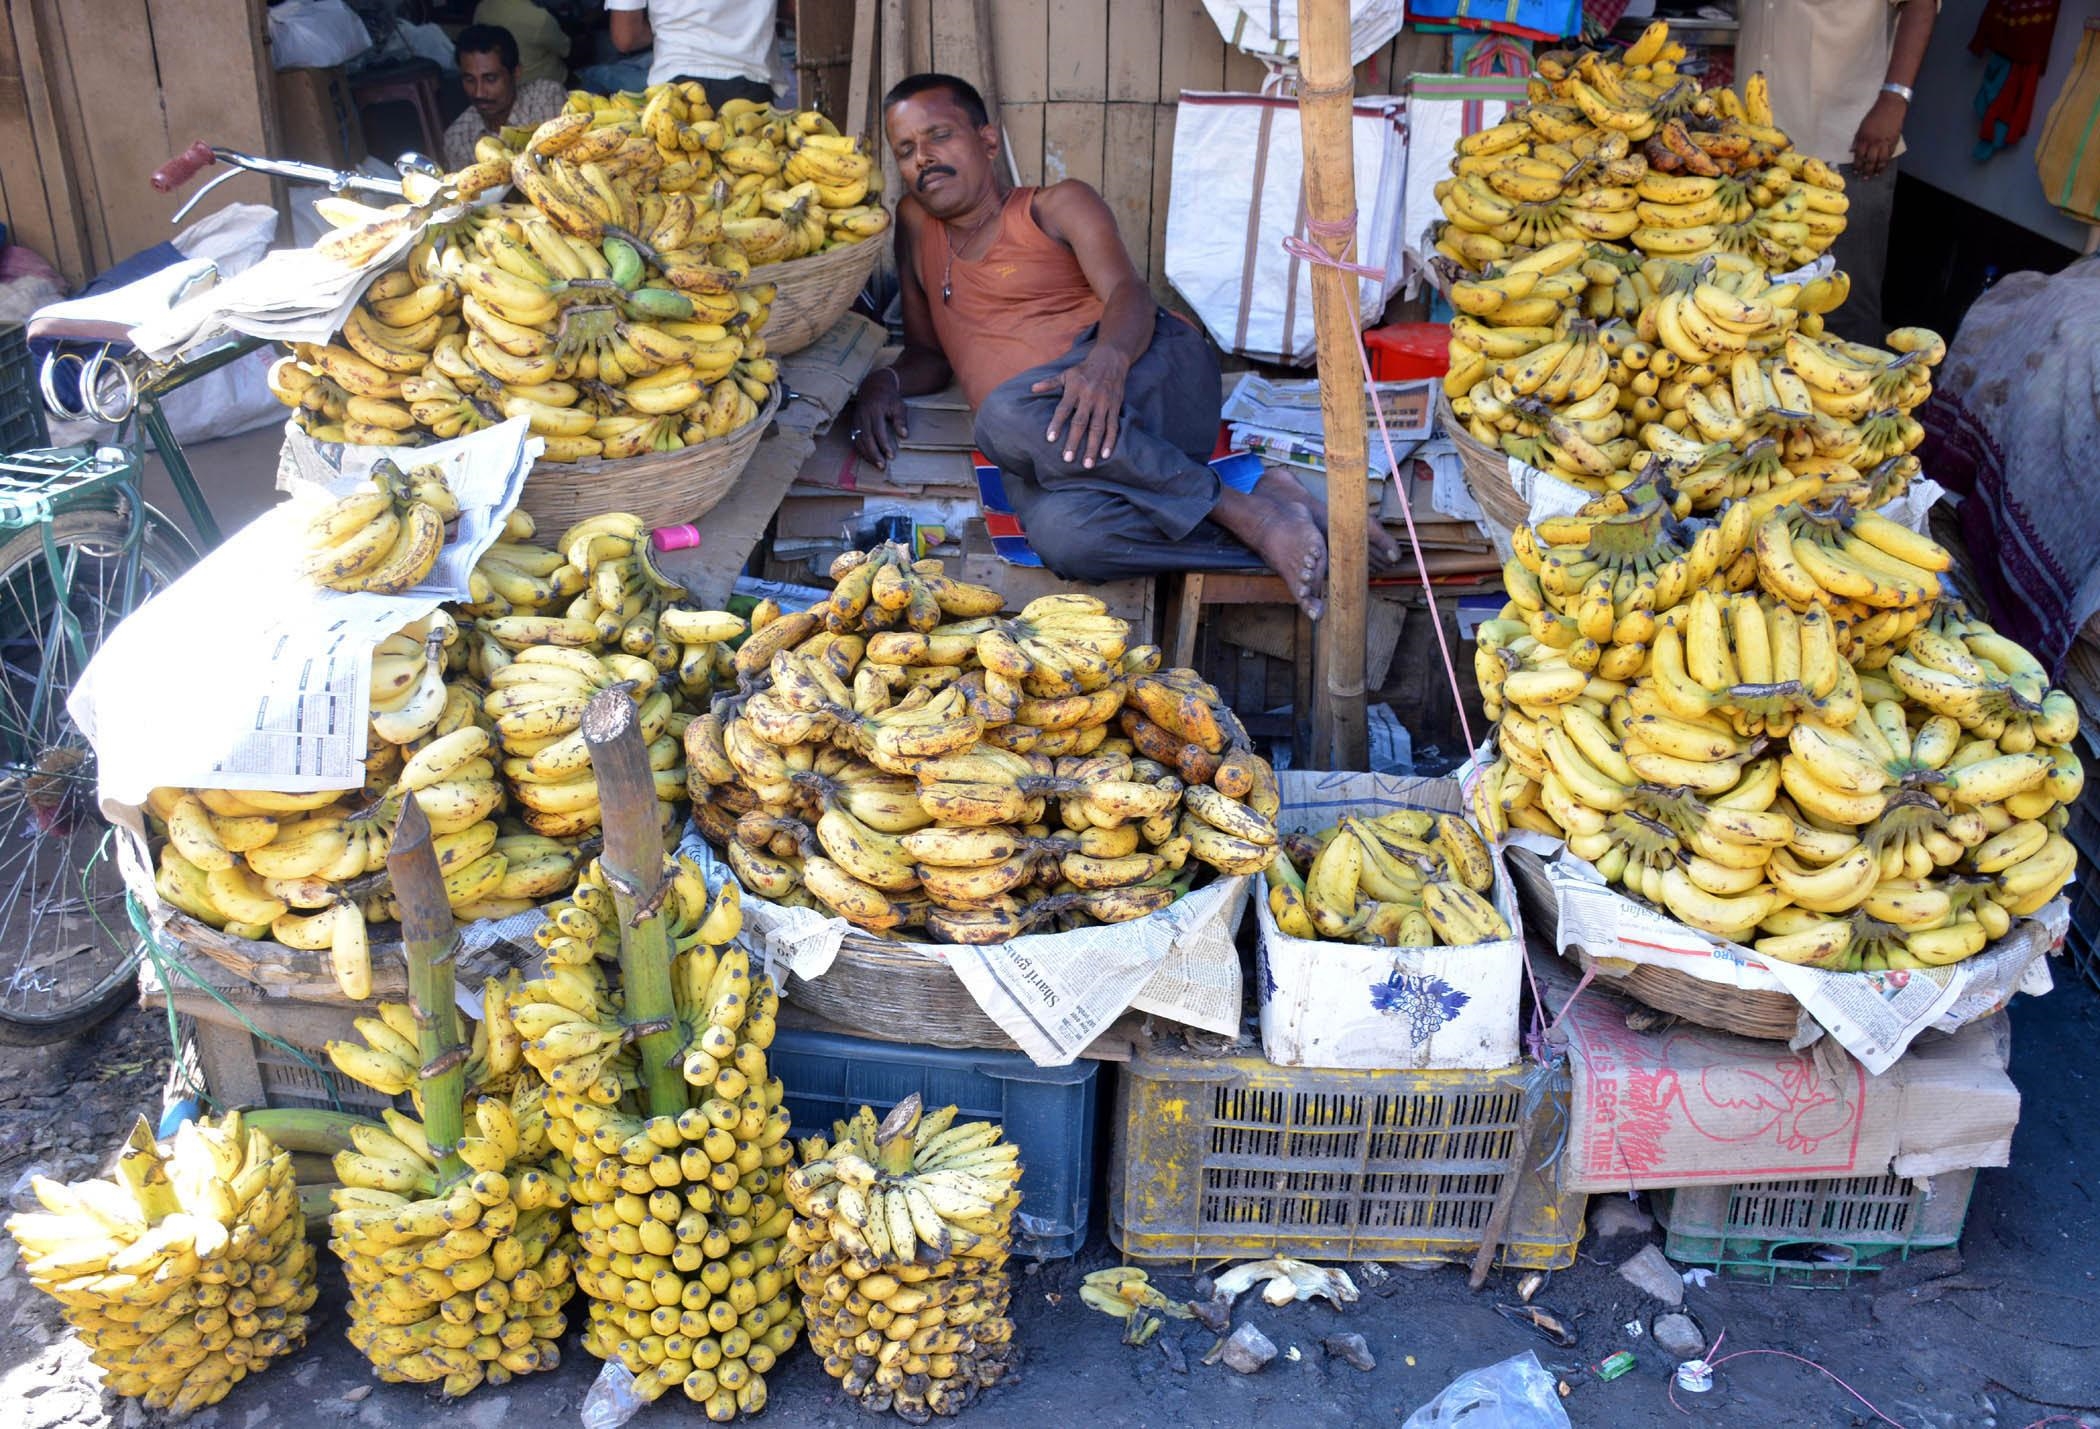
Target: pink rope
(1306,252)
(1713,1363)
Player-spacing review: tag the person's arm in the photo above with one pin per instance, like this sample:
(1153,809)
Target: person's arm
(630,25)
(1092,406)
(1879,133)
(878,407)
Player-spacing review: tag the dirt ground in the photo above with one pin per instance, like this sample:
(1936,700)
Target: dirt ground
(2007,1334)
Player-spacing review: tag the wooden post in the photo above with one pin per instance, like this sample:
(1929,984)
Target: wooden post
(633,863)
(426,937)
(1326,93)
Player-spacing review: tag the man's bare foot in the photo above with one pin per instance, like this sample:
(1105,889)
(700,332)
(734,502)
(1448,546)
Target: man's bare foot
(1283,487)
(1284,536)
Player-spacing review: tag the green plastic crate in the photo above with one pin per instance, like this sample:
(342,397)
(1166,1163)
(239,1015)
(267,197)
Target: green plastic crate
(21,401)
(1812,1233)
(1232,1157)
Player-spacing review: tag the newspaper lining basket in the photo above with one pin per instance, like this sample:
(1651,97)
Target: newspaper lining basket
(811,294)
(1768,1016)
(663,488)
(1486,471)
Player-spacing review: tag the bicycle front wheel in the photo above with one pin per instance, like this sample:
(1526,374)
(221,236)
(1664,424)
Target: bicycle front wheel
(67,956)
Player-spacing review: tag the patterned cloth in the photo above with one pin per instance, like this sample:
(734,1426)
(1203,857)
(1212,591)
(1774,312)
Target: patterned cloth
(2013,420)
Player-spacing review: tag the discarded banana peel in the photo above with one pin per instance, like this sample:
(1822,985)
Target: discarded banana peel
(1124,1291)
(1285,1279)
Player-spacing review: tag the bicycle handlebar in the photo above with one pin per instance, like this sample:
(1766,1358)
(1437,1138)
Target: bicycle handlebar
(182,168)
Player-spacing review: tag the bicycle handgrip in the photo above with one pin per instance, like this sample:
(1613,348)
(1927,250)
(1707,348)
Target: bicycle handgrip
(182,168)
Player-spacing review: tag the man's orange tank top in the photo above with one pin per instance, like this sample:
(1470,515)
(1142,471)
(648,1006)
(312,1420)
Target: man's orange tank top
(1017,307)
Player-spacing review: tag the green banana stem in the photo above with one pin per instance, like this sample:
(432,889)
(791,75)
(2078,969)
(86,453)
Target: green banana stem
(633,866)
(427,937)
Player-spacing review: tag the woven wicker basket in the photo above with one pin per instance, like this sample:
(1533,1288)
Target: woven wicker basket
(1486,471)
(1769,1016)
(894,993)
(664,488)
(813,293)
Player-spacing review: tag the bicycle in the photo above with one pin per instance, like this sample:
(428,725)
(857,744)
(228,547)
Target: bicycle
(80,548)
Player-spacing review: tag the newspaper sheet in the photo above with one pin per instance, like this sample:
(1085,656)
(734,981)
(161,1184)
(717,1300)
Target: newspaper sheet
(1052,993)
(1293,405)
(486,470)
(1873,1015)
(244,675)
(292,295)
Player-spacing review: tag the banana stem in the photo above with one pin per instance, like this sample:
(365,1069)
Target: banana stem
(633,864)
(427,938)
(649,255)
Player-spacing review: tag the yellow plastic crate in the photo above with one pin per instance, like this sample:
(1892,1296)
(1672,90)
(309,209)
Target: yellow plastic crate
(1231,1156)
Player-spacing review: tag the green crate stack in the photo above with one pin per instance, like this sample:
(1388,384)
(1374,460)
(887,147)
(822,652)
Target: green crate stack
(21,404)
(1816,1234)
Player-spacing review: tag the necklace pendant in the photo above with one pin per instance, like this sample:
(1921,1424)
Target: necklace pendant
(947,292)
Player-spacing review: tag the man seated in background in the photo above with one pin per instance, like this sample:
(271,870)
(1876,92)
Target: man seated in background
(725,44)
(488,68)
(1099,407)
(543,46)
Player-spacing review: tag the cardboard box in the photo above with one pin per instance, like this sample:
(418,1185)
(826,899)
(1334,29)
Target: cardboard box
(1353,1007)
(1686,1105)
(1130,599)
(317,119)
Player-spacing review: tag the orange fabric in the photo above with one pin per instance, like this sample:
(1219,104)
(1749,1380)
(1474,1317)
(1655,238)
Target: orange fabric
(1017,307)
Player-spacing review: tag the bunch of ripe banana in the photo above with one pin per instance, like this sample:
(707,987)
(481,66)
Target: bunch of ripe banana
(779,184)
(619,598)
(1703,374)
(903,777)
(1630,150)
(455,1285)
(1816,741)
(386,1058)
(899,1247)
(679,1215)
(1408,879)
(185,1272)
(386,539)
(569,1019)
(615,316)
(297,868)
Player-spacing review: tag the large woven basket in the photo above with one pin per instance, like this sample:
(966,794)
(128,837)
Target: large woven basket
(1769,1016)
(893,992)
(813,293)
(664,488)
(1486,472)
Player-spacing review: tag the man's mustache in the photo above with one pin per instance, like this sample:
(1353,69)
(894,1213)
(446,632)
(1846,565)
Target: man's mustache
(929,173)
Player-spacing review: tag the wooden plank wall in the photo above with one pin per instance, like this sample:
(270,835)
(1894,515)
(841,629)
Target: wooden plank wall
(1087,90)
(96,94)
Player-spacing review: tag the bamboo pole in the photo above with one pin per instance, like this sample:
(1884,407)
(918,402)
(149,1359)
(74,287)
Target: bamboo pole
(633,863)
(426,937)
(1326,94)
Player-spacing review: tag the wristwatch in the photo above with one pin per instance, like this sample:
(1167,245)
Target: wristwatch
(1901,91)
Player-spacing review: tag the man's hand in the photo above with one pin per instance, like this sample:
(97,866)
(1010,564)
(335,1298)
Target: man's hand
(1879,133)
(878,416)
(1092,406)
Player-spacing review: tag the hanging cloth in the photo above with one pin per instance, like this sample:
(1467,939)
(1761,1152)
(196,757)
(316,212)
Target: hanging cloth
(2013,36)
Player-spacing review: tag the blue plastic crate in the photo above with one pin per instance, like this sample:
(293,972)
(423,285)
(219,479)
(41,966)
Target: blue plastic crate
(1047,1111)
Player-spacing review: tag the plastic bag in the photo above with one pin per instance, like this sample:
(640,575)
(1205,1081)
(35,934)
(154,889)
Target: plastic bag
(611,1400)
(1518,1393)
(315,34)
(1269,30)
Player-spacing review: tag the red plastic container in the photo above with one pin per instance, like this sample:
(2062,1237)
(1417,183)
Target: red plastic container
(1404,351)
